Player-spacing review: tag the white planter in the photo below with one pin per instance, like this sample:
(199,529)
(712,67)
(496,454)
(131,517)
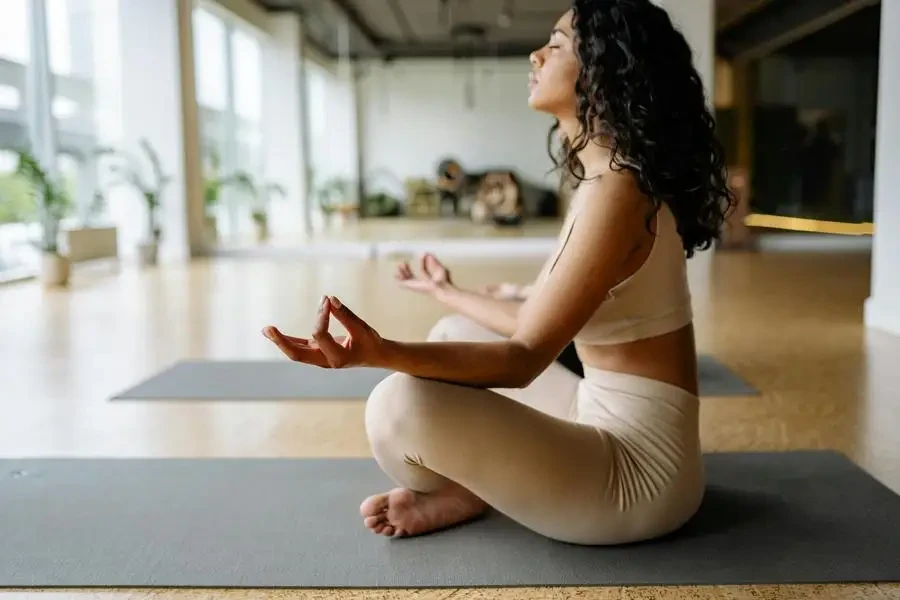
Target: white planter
(261,227)
(82,244)
(54,270)
(212,230)
(147,254)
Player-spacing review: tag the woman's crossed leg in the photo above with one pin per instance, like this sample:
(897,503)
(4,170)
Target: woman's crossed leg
(456,450)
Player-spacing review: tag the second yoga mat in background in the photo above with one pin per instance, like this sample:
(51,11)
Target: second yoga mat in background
(286,380)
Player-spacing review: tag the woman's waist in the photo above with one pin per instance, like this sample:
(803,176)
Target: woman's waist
(669,360)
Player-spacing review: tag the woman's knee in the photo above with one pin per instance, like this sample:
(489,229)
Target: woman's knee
(459,328)
(399,408)
(450,328)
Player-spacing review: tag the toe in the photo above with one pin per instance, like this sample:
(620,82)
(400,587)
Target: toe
(374,505)
(373,522)
(388,530)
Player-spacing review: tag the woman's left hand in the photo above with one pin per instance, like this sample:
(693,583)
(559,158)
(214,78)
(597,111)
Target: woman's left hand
(361,347)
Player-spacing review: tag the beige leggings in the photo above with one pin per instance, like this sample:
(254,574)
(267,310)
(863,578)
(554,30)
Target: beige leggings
(611,458)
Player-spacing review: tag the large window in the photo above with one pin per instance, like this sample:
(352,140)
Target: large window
(229,93)
(54,103)
(16,207)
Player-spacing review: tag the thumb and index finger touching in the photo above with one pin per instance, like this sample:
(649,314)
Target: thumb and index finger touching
(346,317)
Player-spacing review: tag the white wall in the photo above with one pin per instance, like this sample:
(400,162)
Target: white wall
(883,306)
(414,114)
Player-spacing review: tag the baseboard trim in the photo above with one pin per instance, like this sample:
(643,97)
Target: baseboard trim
(880,315)
(362,250)
(463,248)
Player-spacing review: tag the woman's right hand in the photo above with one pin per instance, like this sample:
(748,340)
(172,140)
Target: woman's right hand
(434,275)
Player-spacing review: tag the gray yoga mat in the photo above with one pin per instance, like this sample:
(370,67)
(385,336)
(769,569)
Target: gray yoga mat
(283,379)
(716,379)
(767,518)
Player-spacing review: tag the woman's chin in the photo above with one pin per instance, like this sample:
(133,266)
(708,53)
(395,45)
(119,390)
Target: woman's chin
(538,101)
(534,101)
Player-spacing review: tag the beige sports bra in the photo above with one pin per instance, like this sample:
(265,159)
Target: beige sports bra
(654,300)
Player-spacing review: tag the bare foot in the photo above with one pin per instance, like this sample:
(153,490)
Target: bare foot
(403,512)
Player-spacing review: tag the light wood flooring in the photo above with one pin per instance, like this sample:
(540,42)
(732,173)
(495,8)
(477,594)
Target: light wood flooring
(790,323)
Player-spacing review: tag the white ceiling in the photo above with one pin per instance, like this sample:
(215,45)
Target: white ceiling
(431,28)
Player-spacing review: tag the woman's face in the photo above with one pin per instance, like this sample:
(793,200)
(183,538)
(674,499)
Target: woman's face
(554,70)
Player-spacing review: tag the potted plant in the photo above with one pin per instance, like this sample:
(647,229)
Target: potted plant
(214,184)
(127,171)
(259,203)
(212,193)
(53,204)
(335,199)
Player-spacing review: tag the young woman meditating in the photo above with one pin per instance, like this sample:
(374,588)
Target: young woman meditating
(467,425)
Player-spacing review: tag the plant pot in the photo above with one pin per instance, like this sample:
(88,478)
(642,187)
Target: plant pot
(54,270)
(147,254)
(212,230)
(261,226)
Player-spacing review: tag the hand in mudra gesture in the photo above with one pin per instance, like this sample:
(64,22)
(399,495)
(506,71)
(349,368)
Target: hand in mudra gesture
(360,347)
(434,275)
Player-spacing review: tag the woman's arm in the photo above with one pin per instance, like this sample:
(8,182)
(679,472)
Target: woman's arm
(498,315)
(609,227)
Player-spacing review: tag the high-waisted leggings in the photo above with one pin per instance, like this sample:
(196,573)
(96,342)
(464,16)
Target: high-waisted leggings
(605,459)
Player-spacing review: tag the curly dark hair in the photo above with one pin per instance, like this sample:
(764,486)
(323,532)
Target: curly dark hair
(638,91)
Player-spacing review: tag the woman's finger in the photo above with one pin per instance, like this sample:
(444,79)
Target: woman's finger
(334,352)
(293,351)
(355,326)
(404,272)
(297,340)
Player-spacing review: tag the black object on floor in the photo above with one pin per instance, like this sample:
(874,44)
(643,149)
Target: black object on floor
(768,518)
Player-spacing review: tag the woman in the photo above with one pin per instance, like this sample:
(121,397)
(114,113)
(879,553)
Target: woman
(618,459)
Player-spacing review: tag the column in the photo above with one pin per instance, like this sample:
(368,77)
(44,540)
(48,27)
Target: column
(283,125)
(882,309)
(158,104)
(696,20)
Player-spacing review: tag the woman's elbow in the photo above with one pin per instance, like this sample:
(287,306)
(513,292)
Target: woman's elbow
(525,365)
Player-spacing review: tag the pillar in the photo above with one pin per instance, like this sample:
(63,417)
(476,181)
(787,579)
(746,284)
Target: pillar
(882,309)
(283,132)
(158,103)
(696,21)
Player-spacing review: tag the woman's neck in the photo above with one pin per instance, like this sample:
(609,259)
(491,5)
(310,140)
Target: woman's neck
(594,156)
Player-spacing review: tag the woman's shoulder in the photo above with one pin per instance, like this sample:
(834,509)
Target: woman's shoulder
(612,198)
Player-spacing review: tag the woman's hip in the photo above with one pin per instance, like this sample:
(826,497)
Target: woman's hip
(655,477)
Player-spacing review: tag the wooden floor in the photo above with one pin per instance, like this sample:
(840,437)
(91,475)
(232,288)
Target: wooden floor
(790,323)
